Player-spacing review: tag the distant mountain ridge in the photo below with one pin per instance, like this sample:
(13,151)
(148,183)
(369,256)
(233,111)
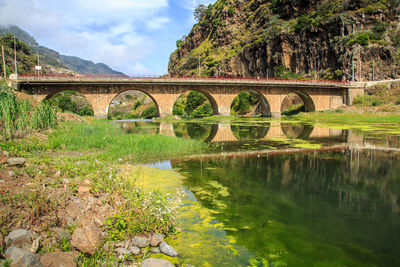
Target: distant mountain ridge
(54,58)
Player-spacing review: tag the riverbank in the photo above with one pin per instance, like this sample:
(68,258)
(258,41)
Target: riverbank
(74,196)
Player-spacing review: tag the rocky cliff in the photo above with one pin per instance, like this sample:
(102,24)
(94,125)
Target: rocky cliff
(323,39)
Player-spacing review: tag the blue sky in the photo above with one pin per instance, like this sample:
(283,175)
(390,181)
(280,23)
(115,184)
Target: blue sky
(132,36)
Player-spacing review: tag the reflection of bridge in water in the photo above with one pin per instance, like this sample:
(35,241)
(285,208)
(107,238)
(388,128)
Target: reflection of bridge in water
(223,132)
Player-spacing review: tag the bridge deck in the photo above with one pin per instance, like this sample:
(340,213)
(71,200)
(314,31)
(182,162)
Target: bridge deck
(117,79)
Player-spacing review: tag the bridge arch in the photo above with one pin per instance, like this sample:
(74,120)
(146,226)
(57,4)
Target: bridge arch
(261,107)
(250,132)
(193,93)
(297,131)
(294,98)
(133,103)
(193,130)
(70,100)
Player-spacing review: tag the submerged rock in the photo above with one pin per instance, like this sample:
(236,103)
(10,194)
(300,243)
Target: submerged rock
(168,250)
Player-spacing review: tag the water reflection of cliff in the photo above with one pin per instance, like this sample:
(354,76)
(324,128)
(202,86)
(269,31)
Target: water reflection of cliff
(312,208)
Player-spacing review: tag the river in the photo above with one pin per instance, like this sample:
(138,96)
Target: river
(284,193)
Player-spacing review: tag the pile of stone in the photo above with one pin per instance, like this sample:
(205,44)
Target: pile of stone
(140,244)
(22,246)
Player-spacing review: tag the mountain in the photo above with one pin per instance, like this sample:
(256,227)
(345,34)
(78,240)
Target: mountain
(54,60)
(325,39)
(86,66)
(25,58)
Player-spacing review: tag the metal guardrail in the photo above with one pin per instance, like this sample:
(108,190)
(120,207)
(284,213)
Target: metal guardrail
(78,77)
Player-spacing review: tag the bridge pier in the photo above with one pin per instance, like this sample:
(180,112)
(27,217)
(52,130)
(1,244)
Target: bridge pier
(223,102)
(165,103)
(100,103)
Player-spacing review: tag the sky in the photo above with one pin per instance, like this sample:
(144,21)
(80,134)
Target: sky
(135,37)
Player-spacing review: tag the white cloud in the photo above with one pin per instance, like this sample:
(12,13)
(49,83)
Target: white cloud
(113,32)
(157,23)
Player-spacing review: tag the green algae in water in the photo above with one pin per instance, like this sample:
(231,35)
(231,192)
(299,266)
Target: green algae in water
(298,210)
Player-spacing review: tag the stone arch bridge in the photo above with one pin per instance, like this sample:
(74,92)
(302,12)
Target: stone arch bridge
(164,91)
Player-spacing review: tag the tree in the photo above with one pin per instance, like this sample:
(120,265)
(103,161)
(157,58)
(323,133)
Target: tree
(199,12)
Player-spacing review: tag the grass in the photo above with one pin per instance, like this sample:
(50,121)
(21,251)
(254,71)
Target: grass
(104,140)
(17,117)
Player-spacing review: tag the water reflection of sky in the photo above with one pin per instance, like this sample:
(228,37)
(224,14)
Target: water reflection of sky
(163,165)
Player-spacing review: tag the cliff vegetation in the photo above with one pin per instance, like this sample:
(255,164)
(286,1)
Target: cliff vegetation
(319,39)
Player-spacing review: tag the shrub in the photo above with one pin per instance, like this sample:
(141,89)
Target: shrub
(374,8)
(149,112)
(282,72)
(395,38)
(362,39)
(305,23)
(376,102)
(86,111)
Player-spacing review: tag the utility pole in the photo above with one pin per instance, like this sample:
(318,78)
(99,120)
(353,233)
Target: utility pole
(315,69)
(15,58)
(352,67)
(38,55)
(373,69)
(199,66)
(4,63)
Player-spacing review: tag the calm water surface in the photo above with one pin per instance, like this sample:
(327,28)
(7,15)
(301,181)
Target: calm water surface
(337,208)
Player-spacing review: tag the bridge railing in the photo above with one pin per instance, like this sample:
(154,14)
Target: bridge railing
(81,77)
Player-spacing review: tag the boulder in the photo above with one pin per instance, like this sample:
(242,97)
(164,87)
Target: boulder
(152,262)
(20,238)
(16,161)
(168,250)
(135,250)
(20,257)
(156,239)
(141,241)
(86,239)
(60,259)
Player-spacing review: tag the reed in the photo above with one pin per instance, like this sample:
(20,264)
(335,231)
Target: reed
(8,111)
(44,116)
(18,117)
